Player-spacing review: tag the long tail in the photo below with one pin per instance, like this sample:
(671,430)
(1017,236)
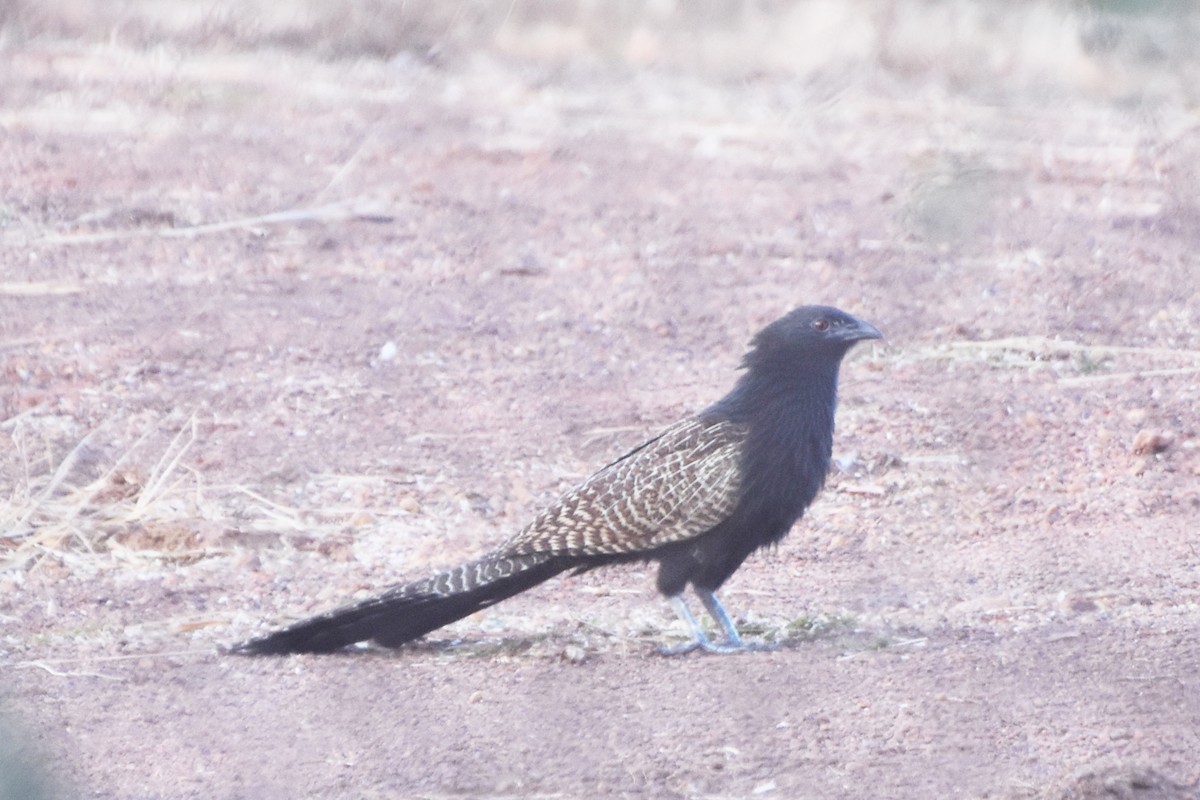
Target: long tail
(406,612)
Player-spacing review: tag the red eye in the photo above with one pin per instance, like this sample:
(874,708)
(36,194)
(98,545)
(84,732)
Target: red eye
(820,324)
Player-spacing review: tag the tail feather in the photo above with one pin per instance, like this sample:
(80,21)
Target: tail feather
(409,611)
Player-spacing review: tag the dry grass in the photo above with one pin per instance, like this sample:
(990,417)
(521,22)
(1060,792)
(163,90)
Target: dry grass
(965,42)
(83,508)
(333,212)
(149,507)
(1075,363)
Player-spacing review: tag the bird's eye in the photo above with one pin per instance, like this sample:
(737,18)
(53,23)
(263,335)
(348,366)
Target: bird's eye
(820,324)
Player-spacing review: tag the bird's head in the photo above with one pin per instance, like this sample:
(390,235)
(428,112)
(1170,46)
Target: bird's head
(810,332)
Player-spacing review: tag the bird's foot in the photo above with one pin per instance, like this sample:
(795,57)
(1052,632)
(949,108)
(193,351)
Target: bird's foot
(706,644)
(685,648)
(733,642)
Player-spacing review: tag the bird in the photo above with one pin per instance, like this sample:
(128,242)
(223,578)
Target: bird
(698,499)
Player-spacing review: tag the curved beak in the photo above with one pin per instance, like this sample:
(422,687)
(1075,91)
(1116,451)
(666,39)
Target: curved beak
(859,331)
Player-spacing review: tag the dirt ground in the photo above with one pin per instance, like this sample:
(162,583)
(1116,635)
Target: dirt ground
(278,330)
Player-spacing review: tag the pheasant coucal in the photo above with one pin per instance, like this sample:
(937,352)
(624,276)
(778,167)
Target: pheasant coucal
(698,499)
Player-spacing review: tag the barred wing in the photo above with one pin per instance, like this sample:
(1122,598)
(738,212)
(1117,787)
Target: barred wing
(670,489)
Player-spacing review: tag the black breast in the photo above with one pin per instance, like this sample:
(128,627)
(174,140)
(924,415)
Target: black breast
(784,462)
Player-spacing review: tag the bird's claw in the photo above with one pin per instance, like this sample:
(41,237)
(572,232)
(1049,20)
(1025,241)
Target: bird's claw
(733,641)
(717,648)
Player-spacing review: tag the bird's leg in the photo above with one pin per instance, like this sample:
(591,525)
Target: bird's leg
(699,637)
(733,642)
(717,612)
(700,640)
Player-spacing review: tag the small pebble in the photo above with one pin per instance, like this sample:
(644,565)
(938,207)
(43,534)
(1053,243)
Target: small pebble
(1148,442)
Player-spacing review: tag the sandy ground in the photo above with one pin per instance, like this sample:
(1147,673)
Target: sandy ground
(276,332)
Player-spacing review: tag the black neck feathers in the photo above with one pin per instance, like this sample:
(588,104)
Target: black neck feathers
(787,398)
